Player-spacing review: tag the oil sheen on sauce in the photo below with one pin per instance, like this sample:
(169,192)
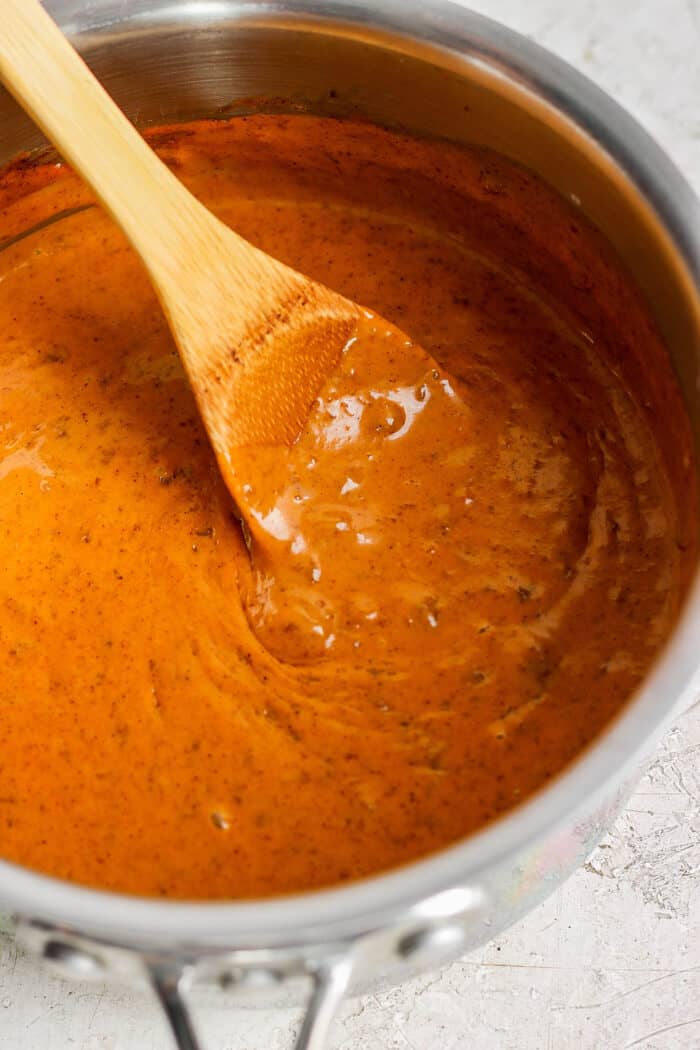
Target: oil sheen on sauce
(431,620)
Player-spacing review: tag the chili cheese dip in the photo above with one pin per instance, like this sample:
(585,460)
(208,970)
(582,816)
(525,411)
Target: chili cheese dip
(420,624)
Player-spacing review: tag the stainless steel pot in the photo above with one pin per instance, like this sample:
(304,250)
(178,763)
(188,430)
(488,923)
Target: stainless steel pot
(432,68)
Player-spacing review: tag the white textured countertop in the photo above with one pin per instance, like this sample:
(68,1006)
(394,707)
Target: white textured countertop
(612,961)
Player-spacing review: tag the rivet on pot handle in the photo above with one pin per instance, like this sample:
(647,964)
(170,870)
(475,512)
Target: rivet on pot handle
(429,933)
(171,985)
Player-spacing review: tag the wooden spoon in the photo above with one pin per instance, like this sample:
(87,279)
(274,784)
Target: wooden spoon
(257,338)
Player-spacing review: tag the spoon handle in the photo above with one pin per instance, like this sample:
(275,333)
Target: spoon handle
(52,83)
(252,332)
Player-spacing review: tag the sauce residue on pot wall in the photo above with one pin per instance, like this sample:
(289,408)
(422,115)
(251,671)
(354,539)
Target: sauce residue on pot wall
(177,720)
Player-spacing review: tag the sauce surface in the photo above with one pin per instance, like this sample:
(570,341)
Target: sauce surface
(434,620)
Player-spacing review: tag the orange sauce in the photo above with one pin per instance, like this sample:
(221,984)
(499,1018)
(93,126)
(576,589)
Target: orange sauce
(460,571)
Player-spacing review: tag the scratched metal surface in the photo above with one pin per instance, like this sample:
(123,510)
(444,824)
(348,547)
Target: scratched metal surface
(612,961)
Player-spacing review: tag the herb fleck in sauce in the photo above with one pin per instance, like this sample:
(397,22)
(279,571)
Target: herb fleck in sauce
(461,607)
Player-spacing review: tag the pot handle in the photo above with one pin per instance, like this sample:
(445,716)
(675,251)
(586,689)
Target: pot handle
(171,985)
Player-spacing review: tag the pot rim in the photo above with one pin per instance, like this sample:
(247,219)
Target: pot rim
(347,911)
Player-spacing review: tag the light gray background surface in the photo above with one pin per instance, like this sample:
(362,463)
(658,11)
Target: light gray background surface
(612,961)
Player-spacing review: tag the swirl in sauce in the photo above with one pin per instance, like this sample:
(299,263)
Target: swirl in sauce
(465,569)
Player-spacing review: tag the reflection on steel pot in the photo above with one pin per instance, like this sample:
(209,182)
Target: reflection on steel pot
(431,68)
